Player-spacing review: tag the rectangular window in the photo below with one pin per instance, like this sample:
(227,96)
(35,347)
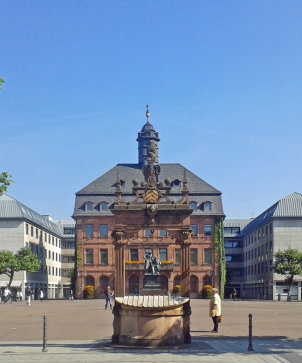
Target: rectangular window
(89,256)
(134,254)
(207,230)
(162,233)
(26,228)
(194,228)
(271,246)
(37,233)
(68,230)
(163,254)
(49,238)
(270,228)
(208,255)
(45,237)
(53,256)
(104,256)
(104,230)
(49,270)
(32,231)
(49,255)
(53,240)
(193,256)
(148,233)
(177,256)
(88,230)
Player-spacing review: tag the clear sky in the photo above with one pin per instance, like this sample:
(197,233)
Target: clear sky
(223,80)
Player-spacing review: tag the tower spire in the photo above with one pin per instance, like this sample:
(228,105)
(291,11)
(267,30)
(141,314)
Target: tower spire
(147,112)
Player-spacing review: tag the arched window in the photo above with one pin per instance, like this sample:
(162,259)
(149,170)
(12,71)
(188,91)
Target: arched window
(193,284)
(104,282)
(163,281)
(88,206)
(103,206)
(89,281)
(133,285)
(176,281)
(193,205)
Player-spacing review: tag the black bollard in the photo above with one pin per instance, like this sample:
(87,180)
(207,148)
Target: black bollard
(250,348)
(44,335)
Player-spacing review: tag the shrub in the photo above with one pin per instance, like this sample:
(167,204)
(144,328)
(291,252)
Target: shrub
(176,290)
(207,292)
(89,292)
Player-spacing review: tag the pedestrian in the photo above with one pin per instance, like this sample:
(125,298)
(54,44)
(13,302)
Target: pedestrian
(71,295)
(234,293)
(41,295)
(28,295)
(108,295)
(6,294)
(215,309)
(18,296)
(21,295)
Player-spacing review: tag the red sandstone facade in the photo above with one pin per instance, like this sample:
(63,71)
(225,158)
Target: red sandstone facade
(134,208)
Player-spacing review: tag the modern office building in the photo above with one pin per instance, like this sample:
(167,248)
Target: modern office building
(152,206)
(21,227)
(67,230)
(277,228)
(233,244)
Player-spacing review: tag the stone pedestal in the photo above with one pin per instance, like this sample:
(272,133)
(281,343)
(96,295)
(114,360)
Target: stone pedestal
(151,321)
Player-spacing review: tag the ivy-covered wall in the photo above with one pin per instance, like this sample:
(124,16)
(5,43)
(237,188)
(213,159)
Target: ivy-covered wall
(219,254)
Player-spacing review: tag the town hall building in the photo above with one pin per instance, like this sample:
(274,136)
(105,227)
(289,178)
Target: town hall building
(149,207)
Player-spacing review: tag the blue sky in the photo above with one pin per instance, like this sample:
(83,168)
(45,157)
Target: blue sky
(222,78)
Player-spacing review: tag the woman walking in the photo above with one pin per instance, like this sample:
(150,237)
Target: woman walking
(215,309)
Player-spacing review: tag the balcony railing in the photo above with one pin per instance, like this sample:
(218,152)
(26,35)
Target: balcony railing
(138,265)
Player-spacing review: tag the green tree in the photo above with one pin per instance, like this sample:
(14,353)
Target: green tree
(22,260)
(5,181)
(289,264)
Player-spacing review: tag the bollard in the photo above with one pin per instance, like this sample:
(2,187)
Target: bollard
(44,335)
(250,348)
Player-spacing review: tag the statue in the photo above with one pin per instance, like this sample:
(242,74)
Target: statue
(151,168)
(151,264)
(155,266)
(148,262)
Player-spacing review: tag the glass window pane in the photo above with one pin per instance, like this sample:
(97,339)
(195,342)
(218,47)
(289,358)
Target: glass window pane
(193,205)
(88,206)
(163,254)
(89,256)
(103,230)
(194,228)
(103,206)
(162,233)
(193,256)
(104,256)
(208,255)
(148,233)
(207,230)
(207,206)
(88,230)
(177,256)
(133,255)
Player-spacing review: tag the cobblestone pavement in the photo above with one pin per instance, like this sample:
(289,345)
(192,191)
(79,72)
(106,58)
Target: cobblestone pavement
(79,331)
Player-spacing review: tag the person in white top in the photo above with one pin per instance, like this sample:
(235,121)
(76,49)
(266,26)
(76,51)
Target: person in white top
(215,309)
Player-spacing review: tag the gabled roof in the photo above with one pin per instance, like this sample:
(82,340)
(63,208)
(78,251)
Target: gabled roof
(105,184)
(10,208)
(289,206)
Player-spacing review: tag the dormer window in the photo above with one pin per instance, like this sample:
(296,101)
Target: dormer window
(206,206)
(103,206)
(193,205)
(88,206)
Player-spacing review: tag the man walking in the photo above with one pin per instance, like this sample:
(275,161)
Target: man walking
(28,295)
(108,293)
